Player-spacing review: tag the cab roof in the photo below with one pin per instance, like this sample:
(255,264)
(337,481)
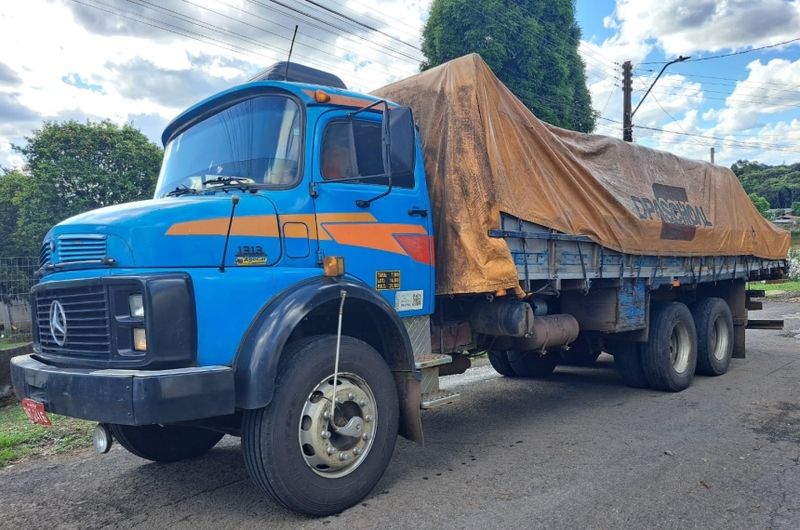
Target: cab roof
(304,91)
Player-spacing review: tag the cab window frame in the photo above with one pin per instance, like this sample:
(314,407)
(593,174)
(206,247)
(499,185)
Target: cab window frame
(406,180)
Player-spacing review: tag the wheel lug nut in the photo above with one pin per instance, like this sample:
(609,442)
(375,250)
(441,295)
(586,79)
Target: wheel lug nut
(368,418)
(326,415)
(342,457)
(325,434)
(351,396)
(365,437)
(331,450)
(357,451)
(363,402)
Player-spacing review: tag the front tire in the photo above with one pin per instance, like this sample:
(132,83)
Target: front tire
(165,444)
(714,323)
(670,356)
(290,449)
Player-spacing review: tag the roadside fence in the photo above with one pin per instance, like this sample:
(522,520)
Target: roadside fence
(16,280)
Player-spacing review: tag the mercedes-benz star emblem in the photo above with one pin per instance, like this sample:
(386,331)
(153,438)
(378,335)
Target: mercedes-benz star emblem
(58,323)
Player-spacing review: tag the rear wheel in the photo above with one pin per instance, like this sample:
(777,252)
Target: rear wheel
(531,363)
(714,323)
(669,357)
(583,352)
(628,362)
(165,444)
(313,459)
(499,361)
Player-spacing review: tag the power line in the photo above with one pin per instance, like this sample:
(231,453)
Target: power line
(328,23)
(311,37)
(362,24)
(742,52)
(731,142)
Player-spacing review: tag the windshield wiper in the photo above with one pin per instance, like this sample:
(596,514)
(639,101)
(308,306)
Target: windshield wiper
(180,190)
(229,180)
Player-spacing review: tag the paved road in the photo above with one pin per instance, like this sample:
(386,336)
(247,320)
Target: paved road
(578,450)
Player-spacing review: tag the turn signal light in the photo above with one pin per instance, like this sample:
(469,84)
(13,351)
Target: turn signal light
(333,266)
(321,97)
(139,339)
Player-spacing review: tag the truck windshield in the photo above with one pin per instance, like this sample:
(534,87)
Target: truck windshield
(256,141)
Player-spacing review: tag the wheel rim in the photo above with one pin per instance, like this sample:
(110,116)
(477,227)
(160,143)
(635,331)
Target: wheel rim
(720,339)
(329,452)
(680,347)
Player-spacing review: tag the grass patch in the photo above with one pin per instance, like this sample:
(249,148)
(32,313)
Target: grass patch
(8,343)
(20,439)
(789,287)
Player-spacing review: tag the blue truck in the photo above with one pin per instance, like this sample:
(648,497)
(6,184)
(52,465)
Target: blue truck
(281,287)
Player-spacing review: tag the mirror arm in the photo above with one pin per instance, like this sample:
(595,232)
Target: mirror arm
(361,203)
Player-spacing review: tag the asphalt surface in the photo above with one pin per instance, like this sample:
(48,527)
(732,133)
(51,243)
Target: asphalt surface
(577,450)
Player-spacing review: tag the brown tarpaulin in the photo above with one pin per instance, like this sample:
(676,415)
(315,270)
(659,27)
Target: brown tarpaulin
(486,153)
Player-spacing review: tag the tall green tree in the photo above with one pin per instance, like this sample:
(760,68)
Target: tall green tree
(761,204)
(531,45)
(72,167)
(780,185)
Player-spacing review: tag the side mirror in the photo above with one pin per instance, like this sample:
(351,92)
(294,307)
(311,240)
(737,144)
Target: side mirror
(399,148)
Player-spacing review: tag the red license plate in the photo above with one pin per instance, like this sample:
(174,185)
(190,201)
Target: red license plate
(35,412)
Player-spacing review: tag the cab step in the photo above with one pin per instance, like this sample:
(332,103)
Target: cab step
(438,398)
(429,360)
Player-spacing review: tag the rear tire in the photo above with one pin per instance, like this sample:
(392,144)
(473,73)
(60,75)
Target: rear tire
(669,358)
(292,453)
(583,352)
(714,324)
(165,444)
(499,361)
(531,363)
(628,362)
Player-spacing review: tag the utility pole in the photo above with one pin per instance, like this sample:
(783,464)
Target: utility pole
(627,86)
(627,118)
(712,155)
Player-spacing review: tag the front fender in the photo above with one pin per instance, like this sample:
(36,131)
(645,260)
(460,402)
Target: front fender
(261,348)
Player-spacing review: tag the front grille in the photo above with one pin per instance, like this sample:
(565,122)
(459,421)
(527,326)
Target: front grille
(81,247)
(87,326)
(45,254)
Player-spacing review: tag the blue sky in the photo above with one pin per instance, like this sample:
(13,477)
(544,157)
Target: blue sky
(746,106)
(143,62)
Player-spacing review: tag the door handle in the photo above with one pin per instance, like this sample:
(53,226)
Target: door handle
(418,211)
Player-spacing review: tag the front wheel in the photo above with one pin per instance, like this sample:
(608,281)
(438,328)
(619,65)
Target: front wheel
(309,456)
(165,443)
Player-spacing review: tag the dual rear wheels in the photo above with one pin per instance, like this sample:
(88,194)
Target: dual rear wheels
(516,363)
(681,341)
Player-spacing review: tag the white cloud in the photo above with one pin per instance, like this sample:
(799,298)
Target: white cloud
(60,59)
(683,27)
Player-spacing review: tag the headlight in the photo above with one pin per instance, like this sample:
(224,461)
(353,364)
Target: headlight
(136,304)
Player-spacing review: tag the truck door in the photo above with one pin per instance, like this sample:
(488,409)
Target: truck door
(388,244)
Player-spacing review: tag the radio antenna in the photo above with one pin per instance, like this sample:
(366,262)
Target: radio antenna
(291,47)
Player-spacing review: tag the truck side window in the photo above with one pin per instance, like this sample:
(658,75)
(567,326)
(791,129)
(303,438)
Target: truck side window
(352,148)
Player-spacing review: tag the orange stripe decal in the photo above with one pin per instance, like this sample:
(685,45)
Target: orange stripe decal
(248,225)
(378,236)
(352,229)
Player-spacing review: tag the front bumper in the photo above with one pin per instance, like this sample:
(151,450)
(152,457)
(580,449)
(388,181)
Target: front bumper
(126,397)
